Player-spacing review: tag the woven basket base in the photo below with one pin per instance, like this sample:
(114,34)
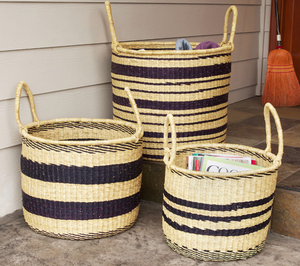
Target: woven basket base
(215,255)
(82,236)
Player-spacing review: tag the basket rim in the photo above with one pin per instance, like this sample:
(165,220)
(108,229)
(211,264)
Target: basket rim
(224,48)
(132,138)
(275,165)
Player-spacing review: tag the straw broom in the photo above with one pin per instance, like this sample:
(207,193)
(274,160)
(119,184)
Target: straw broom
(281,86)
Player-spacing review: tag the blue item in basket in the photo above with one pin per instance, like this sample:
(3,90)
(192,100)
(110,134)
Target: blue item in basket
(183,44)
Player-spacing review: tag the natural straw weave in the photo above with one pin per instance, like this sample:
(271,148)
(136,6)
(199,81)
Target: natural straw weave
(192,85)
(81,178)
(219,216)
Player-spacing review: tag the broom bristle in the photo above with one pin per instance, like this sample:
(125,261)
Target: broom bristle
(282,86)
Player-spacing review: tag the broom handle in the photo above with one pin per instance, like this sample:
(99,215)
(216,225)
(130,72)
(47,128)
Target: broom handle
(279,45)
(23,85)
(169,153)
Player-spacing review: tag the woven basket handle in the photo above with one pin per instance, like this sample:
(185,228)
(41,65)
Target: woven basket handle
(114,40)
(169,153)
(20,86)
(140,131)
(232,9)
(267,110)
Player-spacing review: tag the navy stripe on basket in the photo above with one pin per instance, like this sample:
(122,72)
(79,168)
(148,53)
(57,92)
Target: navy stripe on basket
(159,142)
(214,219)
(160,157)
(219,232)
(180,105)
(153,157)
(214,207)
(80,210)
(204,132)
(107,174)
(171,72)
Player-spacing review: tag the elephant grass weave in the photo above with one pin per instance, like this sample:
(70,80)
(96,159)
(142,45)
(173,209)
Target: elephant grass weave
(219,216)
(81,177)
(193,85)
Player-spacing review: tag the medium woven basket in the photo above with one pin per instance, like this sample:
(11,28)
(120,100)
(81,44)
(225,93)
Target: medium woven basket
(192,85)
(81,178)
(219,216)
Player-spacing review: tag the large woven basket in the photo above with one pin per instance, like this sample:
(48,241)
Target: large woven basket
(219,216)
(81,178)
(193,85)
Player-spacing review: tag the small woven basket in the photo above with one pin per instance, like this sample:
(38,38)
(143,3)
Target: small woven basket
(81,178)
(193,85)
(219,216)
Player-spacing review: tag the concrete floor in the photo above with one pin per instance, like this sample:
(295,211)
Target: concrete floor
(142,245)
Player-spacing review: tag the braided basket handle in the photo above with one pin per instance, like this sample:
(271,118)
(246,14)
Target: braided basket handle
(140,131)
(234,10)
(169,153)
(23,85)
(114,40)
(267,110)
